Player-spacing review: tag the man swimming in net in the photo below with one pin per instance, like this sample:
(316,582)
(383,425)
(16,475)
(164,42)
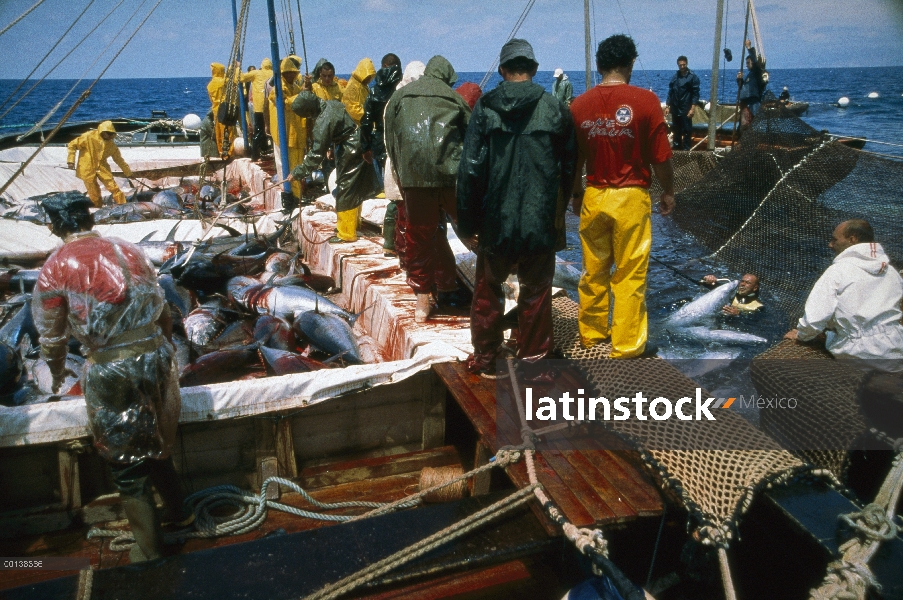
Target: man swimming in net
(745,301)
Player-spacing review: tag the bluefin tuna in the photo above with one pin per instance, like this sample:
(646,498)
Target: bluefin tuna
(40,374)
(281,362)
(723,336)
(706,306)
(276,333)
(282,300)
(205,323)
(130,212)
(168,199)
(222,366)
(20,326)
(329,333)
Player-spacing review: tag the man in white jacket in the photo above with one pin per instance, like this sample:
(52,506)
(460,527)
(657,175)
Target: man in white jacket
(856,302)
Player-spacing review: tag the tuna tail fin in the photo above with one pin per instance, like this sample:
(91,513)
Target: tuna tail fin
(354,318)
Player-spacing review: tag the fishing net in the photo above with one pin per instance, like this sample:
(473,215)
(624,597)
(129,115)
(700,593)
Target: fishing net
(715,467)
(770,205)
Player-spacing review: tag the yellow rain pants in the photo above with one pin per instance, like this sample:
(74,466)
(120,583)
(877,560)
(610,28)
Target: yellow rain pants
(615,230)
(93,152)
(346,225)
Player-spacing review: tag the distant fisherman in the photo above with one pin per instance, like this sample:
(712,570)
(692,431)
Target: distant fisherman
(683,94)
(216,90)
(94,148)
(355,93)
(325,85)
(104,292)
(562,88)
(258,79)
(751,87)
(856,301)
(745,301)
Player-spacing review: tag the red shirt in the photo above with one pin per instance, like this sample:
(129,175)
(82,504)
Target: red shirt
(621,131)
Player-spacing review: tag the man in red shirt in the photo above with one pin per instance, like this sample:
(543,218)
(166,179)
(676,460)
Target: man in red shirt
(621,131)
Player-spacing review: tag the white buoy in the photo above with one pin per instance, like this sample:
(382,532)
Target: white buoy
(874,95)
(238,146)
(708,106)
(843,102)
(191,121)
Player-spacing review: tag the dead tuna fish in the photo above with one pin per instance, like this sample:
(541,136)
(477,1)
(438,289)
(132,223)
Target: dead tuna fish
(11,369)
(30,212)
(18,327)
(179,298)
(205,323)
(19,280)
(183,351)
(286,300)
(222,366)
(161,251)
(281,362)
(40,374)
(239,333)
(131,212)
(273,332)
(168,199)
(329,333)
(208,193)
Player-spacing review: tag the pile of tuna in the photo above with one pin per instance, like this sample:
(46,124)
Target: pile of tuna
(241,308)
(178,202)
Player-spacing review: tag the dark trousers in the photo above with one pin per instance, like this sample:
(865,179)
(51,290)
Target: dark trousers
(259,139)
(534,305)
(682,128)
(429,258)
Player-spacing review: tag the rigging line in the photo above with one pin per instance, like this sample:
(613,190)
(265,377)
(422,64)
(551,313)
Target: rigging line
(595,40)
(53,110)
(60,61)
(626,26)
(41,62)
(303,45)
(289,17)
(514,30)
(727,8)
(22,16)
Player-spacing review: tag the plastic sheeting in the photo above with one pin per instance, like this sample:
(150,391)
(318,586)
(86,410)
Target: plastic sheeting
(68,420)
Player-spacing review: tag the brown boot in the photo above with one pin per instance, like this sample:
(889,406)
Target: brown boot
(422,310)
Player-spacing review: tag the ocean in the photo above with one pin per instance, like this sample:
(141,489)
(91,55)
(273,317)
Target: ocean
(879,119)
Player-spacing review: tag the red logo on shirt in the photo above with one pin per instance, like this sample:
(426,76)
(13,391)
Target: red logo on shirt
(624,115)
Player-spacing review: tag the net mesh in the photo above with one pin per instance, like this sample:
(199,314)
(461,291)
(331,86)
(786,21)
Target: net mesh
(770,205)
(715,483)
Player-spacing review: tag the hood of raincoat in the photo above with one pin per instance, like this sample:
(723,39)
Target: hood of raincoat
(385,81)
(363,70)
(217,69)
(106,126)
(317,67)
(288,65)
(440,68)
(513,100)
(870,257)
(266,64)
(412,72)
(307,106)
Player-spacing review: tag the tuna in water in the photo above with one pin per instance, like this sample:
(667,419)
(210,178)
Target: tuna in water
(706,306)
(329,333)
(723,336)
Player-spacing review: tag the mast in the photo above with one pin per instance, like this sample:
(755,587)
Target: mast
(280,102)
(713,103)
(589,43)
(241,88)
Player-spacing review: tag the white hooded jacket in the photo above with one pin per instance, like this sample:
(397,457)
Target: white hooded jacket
(856,302)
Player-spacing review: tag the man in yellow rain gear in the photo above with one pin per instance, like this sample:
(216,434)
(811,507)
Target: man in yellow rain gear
(258,80)
(621,131)
(216,89)
(325,86)
(94,148)
(356,91)
(295,126)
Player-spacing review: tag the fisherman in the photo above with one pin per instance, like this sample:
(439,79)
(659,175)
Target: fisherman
(207,133)
(683,94)
(784,98)
(425,124)
(258,79)
(325,85)
(295,127)
(104,292)
(355,178)
(562,88)
(751,88)
(514,179)
(372,125)
(395,223)
(745,301)
(620,131)
(216,90)
(94,148)
(856,301)
(355,93)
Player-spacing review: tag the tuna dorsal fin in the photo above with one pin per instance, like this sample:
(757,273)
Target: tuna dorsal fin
(171,236)
(354,318)
(232,232)
(148,236)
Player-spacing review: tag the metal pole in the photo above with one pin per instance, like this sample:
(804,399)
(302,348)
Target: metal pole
(589,43)
(241,90)
(716,55)
(280,102)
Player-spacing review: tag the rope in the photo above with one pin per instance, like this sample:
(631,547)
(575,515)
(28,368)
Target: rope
(58,63)
(726,580)
(303,44)
(432,477)
(41,62)
(20,17)
(514,30)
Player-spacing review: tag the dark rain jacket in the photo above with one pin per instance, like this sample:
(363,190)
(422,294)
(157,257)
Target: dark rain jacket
(425,125)
(207,134)
(372,124)
(751,88)
(683,92)
(355,179)
(516,171)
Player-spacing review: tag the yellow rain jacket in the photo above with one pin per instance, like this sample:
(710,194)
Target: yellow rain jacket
(258,80)
(216,89)
(93,152)
(356,91)
(295,126)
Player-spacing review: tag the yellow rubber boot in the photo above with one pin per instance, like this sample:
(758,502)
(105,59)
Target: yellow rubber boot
(346,225)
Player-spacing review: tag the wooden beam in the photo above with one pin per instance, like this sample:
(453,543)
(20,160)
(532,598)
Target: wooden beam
(434,394)
(479,485)
(285,449)
(70,490)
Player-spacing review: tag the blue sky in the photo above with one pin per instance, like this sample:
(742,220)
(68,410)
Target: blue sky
(183,37)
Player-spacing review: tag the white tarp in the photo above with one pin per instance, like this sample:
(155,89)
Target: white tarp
(68,420)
